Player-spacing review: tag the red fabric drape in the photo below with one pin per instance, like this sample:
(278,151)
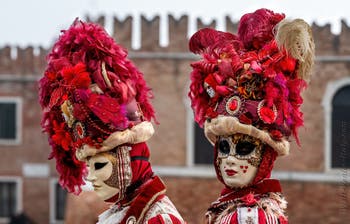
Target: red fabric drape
(141,169)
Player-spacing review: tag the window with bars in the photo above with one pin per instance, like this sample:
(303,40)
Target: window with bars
(8,199)
(340,153)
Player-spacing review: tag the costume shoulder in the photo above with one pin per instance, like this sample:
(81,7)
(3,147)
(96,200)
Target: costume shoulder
(163,211)
(165,218)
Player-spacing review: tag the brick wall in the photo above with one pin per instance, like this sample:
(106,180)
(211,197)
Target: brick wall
(168,76)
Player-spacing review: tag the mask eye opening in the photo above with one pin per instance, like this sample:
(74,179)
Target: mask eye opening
(224,146)
(98,165)
(244,148)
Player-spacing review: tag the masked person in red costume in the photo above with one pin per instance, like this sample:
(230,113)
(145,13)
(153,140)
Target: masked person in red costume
(97,114)
(245,91)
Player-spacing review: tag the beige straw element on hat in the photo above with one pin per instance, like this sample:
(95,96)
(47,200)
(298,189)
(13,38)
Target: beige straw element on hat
(227,125)
(137,134)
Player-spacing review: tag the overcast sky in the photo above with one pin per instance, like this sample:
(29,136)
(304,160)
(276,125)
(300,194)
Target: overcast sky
(38,22)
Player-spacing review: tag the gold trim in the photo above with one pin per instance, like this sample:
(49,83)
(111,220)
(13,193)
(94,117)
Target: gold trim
(67,111)
(104,74)
(131,220)
(145,209)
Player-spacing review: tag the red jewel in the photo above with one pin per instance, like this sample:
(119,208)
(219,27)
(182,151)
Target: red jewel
(266,114)
(233,105)
(79,130)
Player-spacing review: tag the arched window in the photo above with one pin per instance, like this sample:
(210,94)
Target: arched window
(340,135)
(336,103)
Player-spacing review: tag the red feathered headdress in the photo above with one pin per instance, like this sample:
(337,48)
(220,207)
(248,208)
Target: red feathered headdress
(89,91)
(251,83)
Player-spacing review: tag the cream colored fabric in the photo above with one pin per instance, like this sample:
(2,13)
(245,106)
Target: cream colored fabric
(138,133)
(227,125)
(113,215)
(163,207)
(247,215)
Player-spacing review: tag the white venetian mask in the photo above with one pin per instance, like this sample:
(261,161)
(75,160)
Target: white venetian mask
(100,170)
(238,159)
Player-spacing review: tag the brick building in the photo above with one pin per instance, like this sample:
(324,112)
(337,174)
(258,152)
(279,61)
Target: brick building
(315,178)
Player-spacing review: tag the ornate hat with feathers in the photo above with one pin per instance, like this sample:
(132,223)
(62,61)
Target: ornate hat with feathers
(91,94)
(251,83)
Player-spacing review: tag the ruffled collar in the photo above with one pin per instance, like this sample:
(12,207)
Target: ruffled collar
(229,195)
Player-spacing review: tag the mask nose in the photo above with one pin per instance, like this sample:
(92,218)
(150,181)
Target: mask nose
(230,160)
(91,176)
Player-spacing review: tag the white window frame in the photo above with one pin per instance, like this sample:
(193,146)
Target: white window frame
(19,194)
(52,190)
(18,102)
(331,90)
(189,137)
